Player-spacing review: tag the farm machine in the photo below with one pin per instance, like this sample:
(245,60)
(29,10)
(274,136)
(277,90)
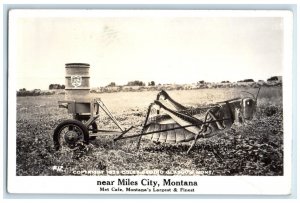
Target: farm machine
(166,121)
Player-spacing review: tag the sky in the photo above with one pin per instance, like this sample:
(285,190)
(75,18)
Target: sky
(168,49)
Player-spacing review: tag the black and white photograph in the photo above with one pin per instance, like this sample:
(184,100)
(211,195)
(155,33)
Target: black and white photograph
(148,101)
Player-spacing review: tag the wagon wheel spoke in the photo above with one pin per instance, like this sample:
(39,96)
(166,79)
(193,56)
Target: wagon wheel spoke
(70,127)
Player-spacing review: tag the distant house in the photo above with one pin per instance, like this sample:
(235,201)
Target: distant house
(37,91)
(225,81)
(131,88)
(261,82)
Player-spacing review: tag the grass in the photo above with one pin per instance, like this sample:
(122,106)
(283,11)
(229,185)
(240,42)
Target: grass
(252,149)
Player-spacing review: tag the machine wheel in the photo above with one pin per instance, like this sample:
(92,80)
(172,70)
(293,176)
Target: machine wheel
(70,133)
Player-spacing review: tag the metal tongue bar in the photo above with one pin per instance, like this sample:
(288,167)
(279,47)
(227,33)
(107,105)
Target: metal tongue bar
(105,109)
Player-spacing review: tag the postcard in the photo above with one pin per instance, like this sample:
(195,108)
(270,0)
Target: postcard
(150,101)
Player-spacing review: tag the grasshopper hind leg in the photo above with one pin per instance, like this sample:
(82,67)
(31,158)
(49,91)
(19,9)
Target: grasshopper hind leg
(193,143)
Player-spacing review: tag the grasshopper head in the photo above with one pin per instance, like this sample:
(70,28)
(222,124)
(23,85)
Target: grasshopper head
(248,105)
(248,108)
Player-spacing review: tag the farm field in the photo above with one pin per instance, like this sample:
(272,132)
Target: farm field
(255,148)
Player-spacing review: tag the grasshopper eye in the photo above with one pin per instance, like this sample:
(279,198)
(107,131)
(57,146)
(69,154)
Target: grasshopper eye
(248,103)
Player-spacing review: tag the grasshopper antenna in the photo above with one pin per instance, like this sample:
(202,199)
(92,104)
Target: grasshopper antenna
(249,93)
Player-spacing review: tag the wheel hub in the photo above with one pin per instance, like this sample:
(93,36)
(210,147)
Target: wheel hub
(71,137)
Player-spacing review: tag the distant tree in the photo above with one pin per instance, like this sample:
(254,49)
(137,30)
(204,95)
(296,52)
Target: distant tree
(225,81)
(274,78)
(248,80)
(152,83)
(201,82)
(112,84)
(56,86)
(136,83)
